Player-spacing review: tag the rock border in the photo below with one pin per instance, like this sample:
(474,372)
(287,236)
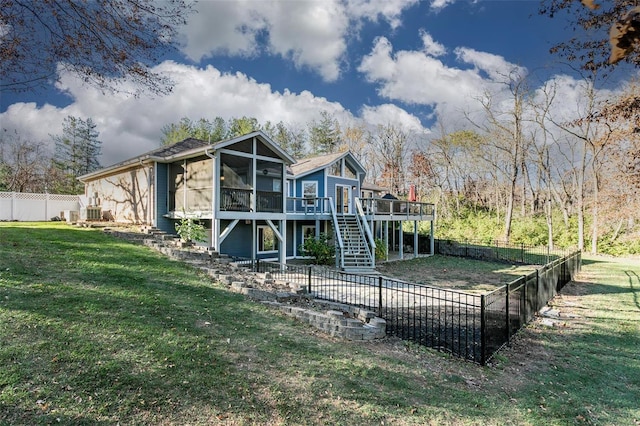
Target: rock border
(339,320)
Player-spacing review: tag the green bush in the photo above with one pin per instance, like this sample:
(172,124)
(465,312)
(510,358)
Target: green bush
(620,247)
(190,231)
(381,249)
(321,249)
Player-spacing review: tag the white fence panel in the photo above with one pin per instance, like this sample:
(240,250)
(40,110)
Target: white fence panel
(35,207)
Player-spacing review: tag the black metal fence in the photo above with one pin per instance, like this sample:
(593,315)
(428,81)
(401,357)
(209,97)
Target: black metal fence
(500,251)
(509,308)
(471,326)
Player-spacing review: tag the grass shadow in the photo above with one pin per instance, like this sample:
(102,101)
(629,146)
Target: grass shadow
(635,291)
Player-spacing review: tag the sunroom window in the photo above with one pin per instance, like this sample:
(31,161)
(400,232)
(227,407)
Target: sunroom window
(236,183)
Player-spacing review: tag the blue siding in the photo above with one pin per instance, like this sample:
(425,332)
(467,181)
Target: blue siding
(238,243)
(332,181)
(289,238)
(316,176)
(162,176)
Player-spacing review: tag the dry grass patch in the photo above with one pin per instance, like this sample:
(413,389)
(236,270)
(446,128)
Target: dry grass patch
(454,272)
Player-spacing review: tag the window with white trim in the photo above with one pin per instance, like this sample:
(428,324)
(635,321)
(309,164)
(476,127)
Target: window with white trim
(308,231)
(309,190)
(267,240)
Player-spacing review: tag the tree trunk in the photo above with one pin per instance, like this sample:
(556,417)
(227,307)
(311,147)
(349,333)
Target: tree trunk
(594,213)
(580,198)
(510,202)
(617,231)
(549,208)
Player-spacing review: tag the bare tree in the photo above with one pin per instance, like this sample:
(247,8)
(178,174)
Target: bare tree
(593,137)
(355,138)
(545,142)
(98,40)
(390,144)
(620,178)
(504,133)
(24,165)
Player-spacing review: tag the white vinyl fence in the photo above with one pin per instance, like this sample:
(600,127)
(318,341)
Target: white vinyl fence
(35,207)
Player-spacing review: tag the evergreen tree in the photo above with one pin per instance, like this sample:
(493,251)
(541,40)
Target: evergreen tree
(172,133)
(324,136)
(76,152)
(287,138)
(202,129)
(218,130)
(242,126)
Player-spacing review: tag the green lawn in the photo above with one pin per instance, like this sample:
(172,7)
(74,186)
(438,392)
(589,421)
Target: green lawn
(94,330)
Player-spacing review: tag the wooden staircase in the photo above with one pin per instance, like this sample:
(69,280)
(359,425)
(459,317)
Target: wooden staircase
(357,255)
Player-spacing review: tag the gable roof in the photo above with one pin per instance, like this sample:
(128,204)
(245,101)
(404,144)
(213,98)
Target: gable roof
(372,187)
(177,148)
(187,148)
(263,138)
(163,153)
(312,164)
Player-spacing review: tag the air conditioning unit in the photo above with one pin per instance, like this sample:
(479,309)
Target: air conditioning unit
(70,216)
(90,213)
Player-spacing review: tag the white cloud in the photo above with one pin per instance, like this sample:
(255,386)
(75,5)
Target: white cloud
(222,27)
(441,4)
(389,10)
(420,77)
(312,34)
(431,47)
(416,78)
(495,66)
(392,114)
(129,126)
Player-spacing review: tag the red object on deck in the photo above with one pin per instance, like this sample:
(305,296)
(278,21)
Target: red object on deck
(412,192)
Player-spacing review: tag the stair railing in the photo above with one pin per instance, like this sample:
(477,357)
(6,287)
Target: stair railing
(339,242)
(364,226)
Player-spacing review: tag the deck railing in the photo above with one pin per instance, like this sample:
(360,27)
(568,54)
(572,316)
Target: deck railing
(309,205)
(235,199)
(269,201)
(383,206)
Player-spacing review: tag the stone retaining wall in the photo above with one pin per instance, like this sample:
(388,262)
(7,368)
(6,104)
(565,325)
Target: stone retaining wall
(342,321)
(345,321)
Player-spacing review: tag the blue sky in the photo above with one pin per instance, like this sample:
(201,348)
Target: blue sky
(405,62)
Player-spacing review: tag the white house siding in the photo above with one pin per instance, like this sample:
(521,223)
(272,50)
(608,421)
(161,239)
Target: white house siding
(125,197)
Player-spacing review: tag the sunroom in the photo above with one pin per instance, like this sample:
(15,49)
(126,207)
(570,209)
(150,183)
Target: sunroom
(236,189)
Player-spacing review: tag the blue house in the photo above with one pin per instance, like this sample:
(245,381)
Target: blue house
(253,198)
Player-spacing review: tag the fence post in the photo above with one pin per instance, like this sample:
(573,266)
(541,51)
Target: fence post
(380,295)
(483,330)
(536,299)
(548,252)
(523,307)
(309,281)
(257,262)
(522,252)
(46,207)
(507,313)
